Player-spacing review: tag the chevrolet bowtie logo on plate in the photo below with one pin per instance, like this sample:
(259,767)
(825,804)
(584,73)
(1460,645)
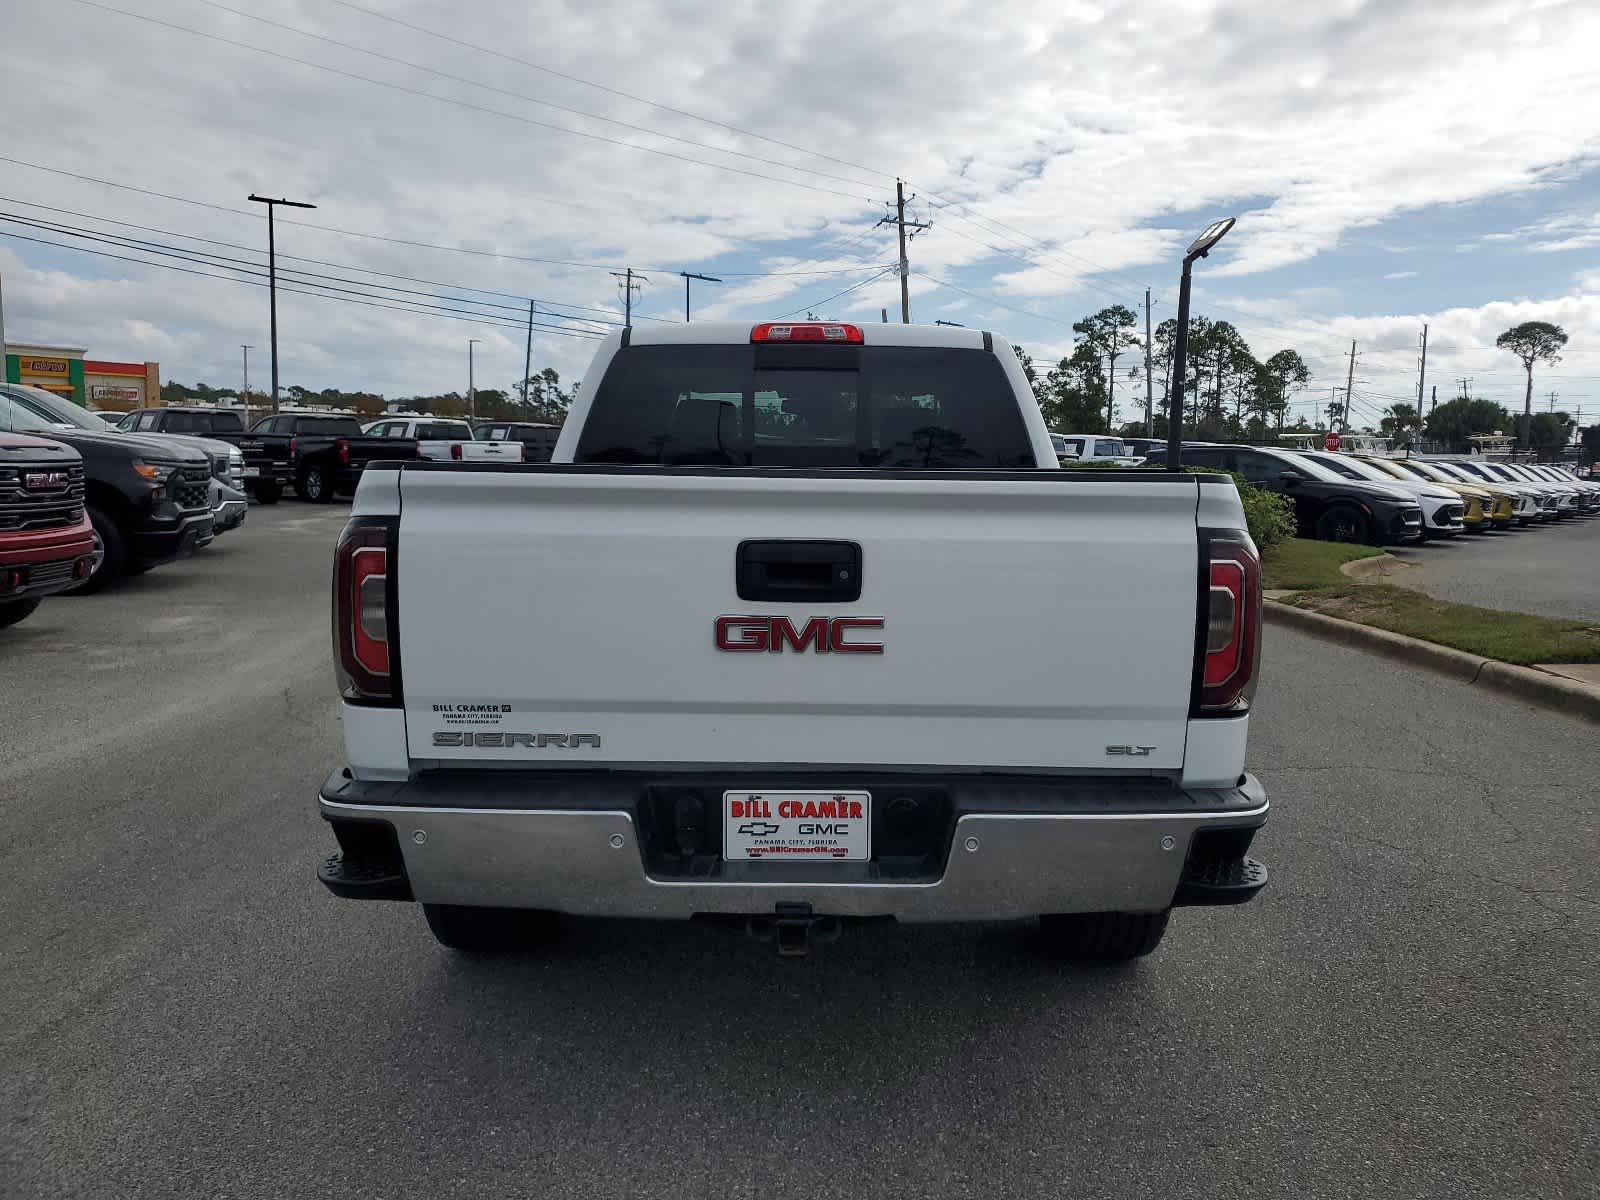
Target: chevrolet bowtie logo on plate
(759,829)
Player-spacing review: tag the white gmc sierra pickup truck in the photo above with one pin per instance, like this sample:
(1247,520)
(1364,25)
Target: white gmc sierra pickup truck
(769,639)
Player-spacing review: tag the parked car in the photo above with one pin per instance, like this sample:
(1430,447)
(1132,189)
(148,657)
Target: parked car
(1443,511)
(1567,497)
(444,439)
(148,499)
(1526,504)
(1486,505)
(1064,452)
(1101,448)
(1588,494)
(538,439)
(1151,450)
(227,463)
(264,468)
(1544,495)
(1327,505)
(848,718)
(229,507)
(46,541)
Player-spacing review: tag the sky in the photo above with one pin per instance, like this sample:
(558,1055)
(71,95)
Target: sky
(1392,164)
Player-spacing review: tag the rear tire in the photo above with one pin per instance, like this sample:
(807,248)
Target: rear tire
(111,551)
(16,610)
(315,486)
(268,493)
(1343,523)
(1102,937)
(485,930)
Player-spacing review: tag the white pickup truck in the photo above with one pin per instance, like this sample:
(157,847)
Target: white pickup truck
(444,439)
(769,639)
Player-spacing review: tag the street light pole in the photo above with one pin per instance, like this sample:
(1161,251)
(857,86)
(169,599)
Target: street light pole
(1199,248)
(472,390)
(272,277)
(246,396)
(688,275)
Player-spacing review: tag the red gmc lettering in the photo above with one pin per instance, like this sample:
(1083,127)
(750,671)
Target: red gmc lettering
(815,631)
(821,635)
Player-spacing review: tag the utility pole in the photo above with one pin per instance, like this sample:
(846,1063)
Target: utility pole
(688,275)
(1434,403)
(1552,396)
(527,356)
(1422,371)
(1149,389)
(1349,382)
(1466,387)
(272,278)
(631,281)
(2,332)
(245,395)
(472,390)
(900,223)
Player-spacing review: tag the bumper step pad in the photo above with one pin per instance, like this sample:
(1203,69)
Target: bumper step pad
(355,880)
(1220,881)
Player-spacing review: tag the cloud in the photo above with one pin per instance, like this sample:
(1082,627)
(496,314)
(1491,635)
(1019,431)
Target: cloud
(1051,126)
(1401,275)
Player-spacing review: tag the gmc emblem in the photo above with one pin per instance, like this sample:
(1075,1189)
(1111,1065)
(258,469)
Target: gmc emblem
(821,635)
(36,481)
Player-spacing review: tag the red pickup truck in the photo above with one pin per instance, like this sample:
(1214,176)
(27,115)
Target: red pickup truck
(46,541)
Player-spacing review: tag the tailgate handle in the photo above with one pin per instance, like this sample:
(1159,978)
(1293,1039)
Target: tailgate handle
(798,570)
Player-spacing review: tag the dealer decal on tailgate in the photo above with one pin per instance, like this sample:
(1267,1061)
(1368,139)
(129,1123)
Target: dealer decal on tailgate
(785,826)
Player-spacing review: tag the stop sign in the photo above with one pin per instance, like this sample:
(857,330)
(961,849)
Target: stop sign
(1330,442)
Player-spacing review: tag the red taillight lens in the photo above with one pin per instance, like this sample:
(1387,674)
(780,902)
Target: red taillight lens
(363,612)
(294,446)
(522,451)
(806,331)
(343,445)
(455,451)
(1232,604)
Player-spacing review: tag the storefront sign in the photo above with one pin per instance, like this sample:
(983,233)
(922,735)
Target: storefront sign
(43,366)
(107,391)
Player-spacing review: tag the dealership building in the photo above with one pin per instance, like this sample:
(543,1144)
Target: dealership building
(91,382)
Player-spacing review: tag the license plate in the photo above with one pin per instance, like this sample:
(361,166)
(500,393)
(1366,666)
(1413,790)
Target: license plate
(252,472)
(796,826)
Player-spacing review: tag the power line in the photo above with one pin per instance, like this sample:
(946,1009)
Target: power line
(511,58)
(577,112)
(828,300)
(476,318)
(319,261)
(376,237)
(250,267)
(457,103)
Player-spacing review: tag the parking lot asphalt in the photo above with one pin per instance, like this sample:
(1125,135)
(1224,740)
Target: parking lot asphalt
(1408,1010)
(1551,570)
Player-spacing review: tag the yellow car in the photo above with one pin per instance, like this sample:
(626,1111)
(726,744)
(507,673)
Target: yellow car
(1486,505)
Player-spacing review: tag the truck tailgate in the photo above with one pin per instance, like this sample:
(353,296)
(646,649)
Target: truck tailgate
(567,616)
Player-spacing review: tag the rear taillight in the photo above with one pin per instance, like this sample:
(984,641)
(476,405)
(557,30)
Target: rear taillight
(455,451)
(343,447)
(522,451)
(1231,626)
(365,627)
(294,447)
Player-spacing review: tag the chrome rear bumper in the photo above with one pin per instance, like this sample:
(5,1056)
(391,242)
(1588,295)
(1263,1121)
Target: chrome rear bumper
(999,866)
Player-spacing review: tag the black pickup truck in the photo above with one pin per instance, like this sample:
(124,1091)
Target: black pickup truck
(328,454)
(319,456)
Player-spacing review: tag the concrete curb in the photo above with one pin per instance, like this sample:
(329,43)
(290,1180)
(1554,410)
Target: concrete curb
(1373,564)
(1528,684)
